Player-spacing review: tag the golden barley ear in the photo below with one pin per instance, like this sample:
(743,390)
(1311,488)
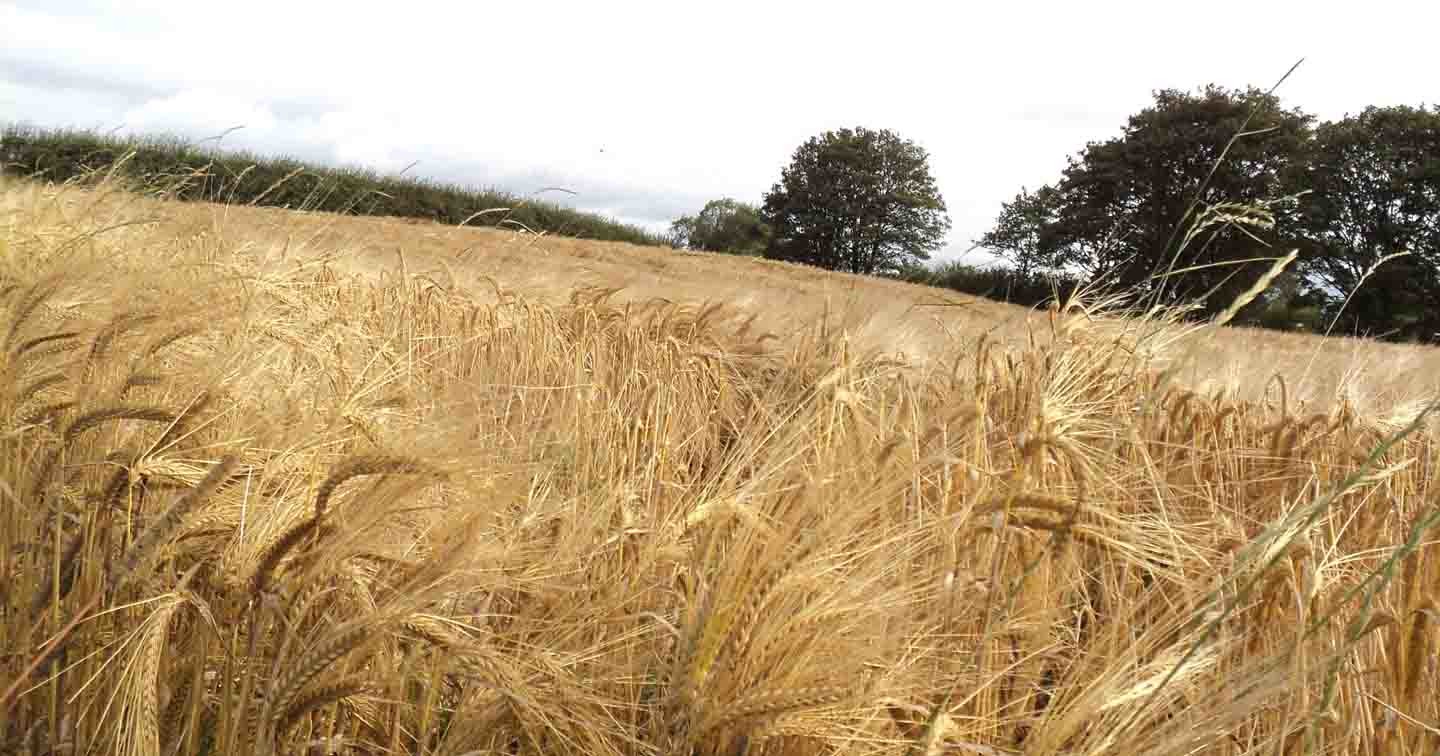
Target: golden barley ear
(25,307)
(272,554)
(139,380)
(39,341)
(286,690)
(769,705)
(364,465)
(30,390)
(46,414)
(161,530)
(317,697)
(164,341)
(104,415)
(142,696)
(106,336)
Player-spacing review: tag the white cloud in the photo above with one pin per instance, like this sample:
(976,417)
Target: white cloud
(652,107)
(201,110)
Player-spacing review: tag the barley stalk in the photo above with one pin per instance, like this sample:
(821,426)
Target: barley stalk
(365,465)
(317,697)
(163,528)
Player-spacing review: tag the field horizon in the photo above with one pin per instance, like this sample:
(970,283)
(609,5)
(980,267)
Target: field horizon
(914,322)
(288,482)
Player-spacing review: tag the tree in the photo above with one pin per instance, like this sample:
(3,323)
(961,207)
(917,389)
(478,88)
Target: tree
(724,225)
(856,200)
(1374,182)
(1123,206)
(1021,233)
(1292,302)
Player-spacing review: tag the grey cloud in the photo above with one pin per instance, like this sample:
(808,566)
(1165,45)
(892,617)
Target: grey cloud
(77,92)
(40,75)
(128,91)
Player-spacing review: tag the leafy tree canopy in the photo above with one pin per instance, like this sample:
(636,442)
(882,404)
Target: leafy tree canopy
(724,225)
(1373,209)
(856,200)
(1022,234)
(1122,207)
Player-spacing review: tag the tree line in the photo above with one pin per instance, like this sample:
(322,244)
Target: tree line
(1190,203)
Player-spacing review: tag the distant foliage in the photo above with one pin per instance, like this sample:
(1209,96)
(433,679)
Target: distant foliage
(1374,182)
(724,225)
(856,200)
(1001,283)
(245,178)
(1157,211)
(1292,303)
(1116,212)
(1024,232)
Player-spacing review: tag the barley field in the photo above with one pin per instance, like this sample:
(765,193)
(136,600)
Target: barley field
(278,482)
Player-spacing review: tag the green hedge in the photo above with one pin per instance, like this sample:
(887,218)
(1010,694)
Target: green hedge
(244,178)
(999,283)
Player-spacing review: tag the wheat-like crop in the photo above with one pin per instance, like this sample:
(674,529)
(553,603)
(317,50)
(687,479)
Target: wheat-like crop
(276,503)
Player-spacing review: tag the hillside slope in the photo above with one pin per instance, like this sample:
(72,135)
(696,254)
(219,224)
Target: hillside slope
(916,323)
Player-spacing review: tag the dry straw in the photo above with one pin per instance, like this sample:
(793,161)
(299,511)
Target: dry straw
(655,532)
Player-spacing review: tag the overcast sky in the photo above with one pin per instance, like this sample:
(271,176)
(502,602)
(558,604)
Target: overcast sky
(648,109)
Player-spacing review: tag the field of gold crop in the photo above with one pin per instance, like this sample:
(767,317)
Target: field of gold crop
(289,483)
